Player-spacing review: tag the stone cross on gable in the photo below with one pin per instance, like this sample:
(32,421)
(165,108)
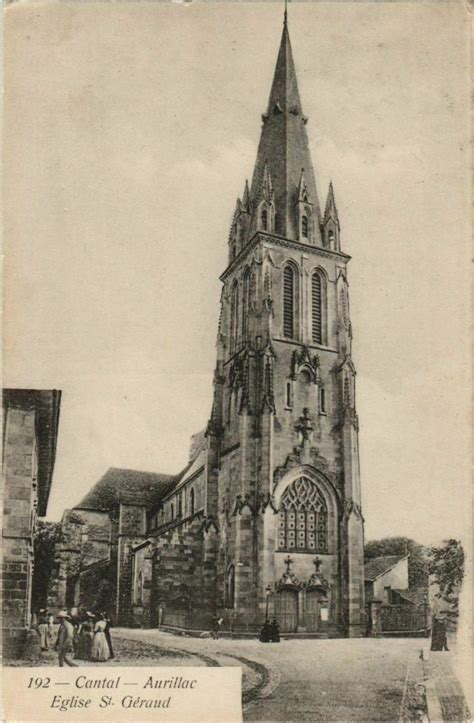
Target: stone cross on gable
(317,564)
(288,563)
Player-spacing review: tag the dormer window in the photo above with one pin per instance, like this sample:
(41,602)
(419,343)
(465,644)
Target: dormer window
(304,227)
(264,219)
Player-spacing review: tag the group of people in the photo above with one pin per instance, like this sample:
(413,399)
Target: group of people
(270,632)
(83,635)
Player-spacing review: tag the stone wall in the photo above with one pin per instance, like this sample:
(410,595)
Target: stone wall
(85,541)
(20,497)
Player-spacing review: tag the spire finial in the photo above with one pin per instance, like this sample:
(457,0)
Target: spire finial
(285,16)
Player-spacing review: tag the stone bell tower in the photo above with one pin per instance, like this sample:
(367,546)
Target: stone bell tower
(283,480)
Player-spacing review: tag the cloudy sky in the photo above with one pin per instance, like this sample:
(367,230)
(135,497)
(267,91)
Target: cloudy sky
(130,131)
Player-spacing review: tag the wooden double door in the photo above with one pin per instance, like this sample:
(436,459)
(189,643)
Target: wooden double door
(300,609)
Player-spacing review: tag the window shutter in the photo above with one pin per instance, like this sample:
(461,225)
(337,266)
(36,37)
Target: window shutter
(316,308)
(288,302)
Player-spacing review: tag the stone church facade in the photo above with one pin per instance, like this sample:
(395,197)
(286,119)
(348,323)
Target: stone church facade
(267,515)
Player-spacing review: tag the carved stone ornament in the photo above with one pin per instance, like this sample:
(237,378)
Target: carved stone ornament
(256,503)
(351,507)
(303,360)
(209,524)
(288,579)
(295,459)
(317,581)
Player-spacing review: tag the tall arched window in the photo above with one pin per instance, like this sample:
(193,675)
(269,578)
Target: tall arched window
(303,518)
(234,316)
(264,218)
(317,307)
(289,302)
(245,303)
(304,226)
(191,501)
(230,587)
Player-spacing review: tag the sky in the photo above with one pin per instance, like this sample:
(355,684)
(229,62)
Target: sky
(130,129)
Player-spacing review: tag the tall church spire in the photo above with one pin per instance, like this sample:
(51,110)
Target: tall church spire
(283,148)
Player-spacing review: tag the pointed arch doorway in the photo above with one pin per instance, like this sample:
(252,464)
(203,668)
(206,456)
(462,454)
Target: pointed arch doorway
(286,609)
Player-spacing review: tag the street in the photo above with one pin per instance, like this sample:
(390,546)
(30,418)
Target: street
(303,680)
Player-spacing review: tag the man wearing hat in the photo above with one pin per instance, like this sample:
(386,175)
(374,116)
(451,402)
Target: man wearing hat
(65,641)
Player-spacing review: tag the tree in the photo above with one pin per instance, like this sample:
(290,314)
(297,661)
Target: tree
(418,564)
(447,567)
(44,546)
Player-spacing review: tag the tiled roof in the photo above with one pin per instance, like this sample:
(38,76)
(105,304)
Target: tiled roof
(128,486)
(416,596)
(379,565)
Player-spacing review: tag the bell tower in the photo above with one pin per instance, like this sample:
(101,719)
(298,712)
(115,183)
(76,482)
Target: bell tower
(283,434)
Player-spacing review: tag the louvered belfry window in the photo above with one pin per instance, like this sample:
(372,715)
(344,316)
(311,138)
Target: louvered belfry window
(288,302)
(316,308)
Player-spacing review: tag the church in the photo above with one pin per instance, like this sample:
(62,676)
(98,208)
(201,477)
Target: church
(265,520)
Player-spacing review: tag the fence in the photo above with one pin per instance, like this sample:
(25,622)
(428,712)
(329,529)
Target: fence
(404,619)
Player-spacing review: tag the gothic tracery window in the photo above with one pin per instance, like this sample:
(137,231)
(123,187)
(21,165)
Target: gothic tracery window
(289,302)
(302,518)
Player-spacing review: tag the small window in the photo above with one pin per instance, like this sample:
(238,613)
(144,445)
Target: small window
(322,400)
(172,511)
(234,251)
(264,219)
(331,238)
(288,396)
(191,501)
(304,226)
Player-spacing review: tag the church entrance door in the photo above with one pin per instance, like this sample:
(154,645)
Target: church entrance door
(312,612)
(286,610)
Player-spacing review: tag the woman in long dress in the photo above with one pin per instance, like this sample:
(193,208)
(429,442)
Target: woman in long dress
(84,641)
(100,648)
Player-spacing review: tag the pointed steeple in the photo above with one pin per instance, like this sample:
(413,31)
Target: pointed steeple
(284,147)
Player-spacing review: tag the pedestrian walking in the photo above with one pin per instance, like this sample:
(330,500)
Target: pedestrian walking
(108,635)
(65,641)
(50,628)
(43,629)
(439,638)
(100,648)
(216,626)
(85,636)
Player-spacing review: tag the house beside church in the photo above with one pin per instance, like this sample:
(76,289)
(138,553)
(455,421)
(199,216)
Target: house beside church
(267,514)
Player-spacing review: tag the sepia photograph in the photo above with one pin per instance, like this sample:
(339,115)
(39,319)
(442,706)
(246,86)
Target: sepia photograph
(237,352)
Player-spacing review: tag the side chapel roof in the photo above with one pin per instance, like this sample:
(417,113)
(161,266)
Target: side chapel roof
(128,486)
(380,565)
